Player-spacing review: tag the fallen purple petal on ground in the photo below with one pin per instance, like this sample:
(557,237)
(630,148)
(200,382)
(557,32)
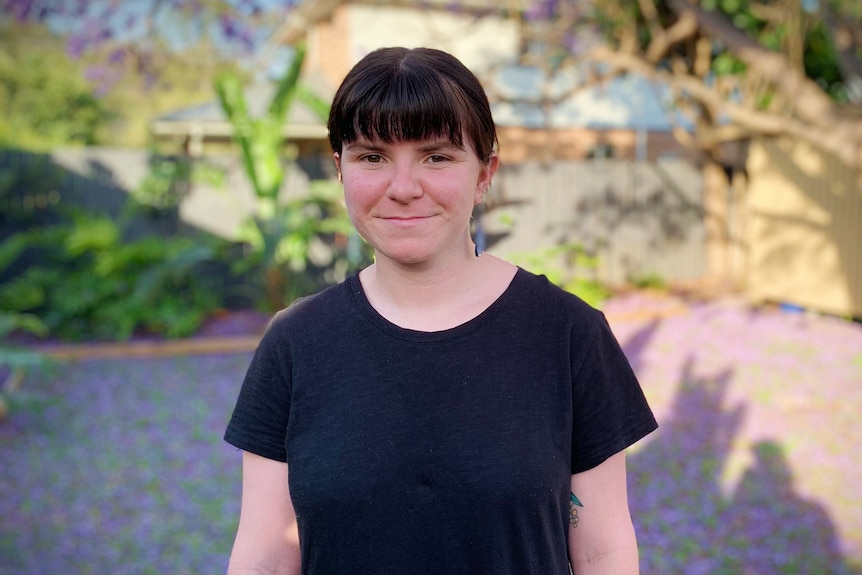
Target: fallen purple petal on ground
(117,466)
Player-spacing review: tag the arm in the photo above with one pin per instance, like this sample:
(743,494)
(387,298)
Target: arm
(267,540)
(603,540)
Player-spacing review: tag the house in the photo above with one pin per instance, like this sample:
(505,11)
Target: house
(624,118)
(197,130)
(620,121)
(809,258)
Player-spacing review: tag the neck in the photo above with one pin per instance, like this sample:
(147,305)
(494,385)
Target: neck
(423,285)
(439,298)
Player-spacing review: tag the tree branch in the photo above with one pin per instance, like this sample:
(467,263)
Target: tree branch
(843,139)
(684,28)
(848,42)
(809,102)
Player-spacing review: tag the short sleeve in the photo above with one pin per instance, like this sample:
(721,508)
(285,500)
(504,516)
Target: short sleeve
(259,421)
(610,411)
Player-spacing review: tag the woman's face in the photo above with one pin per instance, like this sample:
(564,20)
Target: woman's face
(412,201)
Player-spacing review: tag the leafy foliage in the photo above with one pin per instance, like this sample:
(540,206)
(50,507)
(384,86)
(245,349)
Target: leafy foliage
(71,75)
(169,179)
(736,69)
(309,241)
(90,283)
(12,357)
(47,102)
(282,235)
(741,68)
(147,31)
(231,21)
(570,267)
(14,360)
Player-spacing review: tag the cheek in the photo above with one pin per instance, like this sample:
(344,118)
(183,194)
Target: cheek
(355,200)
(359,204)
(363,188)
(352,208)
(356,220)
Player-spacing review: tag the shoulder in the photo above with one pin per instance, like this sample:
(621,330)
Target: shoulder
(311,305)
(545,297)
(309,315)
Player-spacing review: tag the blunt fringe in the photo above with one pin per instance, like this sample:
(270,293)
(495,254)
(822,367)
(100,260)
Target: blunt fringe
(400,94)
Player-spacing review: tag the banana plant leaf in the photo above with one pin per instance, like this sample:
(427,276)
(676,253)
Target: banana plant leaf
(260,139)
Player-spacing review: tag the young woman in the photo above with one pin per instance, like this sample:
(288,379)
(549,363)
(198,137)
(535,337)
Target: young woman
(442,411)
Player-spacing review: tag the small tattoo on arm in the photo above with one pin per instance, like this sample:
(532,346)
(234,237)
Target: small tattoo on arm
(574,503)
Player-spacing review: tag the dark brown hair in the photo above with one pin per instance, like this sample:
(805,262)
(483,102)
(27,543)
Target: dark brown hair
(400,94)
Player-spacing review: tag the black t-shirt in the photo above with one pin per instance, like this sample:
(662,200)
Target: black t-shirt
(438,452)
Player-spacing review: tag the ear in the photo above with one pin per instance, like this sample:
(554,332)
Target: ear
(337,158)
(485,177)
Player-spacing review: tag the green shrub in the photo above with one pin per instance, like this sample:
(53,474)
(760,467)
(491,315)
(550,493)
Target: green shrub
(649,281)
(88,282)
(283,236)
(570,267)
(307,242)
(14,360)
(169,180)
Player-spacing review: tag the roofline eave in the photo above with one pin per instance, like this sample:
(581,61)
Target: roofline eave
(205,130)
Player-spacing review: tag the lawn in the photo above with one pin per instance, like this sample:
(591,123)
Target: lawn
(117,465)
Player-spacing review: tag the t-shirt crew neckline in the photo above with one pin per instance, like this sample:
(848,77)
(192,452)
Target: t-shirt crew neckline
(371,315)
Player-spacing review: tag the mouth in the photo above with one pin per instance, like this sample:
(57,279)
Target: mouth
(404,220)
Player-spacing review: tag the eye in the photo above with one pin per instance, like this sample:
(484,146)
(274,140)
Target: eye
(437,158)
(372,158)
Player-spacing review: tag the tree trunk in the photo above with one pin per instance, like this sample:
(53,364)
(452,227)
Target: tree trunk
(275,280)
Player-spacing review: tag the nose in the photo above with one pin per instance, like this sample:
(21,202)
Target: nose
(403,186)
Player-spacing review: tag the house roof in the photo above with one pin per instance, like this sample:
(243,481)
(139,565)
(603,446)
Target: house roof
(208,119)
(624,102)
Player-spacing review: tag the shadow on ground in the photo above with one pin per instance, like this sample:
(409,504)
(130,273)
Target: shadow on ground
(687,523)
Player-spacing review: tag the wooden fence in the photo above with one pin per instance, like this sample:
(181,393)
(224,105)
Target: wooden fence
(804,228)
(801,235)
(641,218)
(36,188)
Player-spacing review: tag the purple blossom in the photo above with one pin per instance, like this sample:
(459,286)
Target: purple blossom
(117,56)
(75,46)
(20,10)
(542,10)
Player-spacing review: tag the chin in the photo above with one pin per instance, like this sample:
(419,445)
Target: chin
(408,259)
(406,255)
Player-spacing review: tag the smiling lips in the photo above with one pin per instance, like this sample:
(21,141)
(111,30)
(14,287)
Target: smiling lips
(405,219)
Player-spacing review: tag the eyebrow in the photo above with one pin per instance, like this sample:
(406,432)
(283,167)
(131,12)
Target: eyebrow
(440,145)
(363,145)
(433,146)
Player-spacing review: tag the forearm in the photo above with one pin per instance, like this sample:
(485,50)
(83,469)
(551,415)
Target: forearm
(267,538)
(609,552)
(265,551)
(617,561)
(602,537)
(240,569)
(263,560)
